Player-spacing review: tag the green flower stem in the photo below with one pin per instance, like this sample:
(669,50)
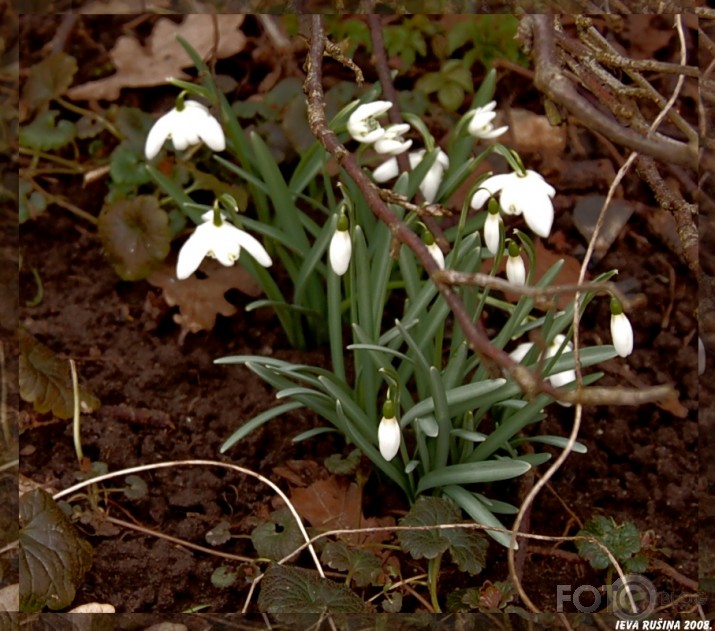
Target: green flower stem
(335,325)
(68,105)
(36,155)
(63,203)
(433,568)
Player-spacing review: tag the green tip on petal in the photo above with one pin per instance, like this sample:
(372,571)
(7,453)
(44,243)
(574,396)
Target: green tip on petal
(514,249)
(388,409)
(493,207)
(343,223)
(616,307)
(428,238)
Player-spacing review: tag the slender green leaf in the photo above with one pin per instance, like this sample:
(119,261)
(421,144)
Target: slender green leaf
(473,473)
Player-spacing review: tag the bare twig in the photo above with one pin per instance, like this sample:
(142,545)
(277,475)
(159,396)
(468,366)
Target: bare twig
(550,80)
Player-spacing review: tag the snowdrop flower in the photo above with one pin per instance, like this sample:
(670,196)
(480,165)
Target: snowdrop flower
(528,194)
(392,142)
(388,432)
(341,247)
(492,227)
(434,249)
(362,124)
(430,185)
(621,330)
(559,379)
(567,376)
(187,126)
(222,241)
(480,123)
(515,268)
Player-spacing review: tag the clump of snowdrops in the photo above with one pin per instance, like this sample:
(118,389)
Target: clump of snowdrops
(404,387)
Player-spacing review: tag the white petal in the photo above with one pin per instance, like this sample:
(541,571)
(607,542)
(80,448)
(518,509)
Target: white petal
(520,351)
(489,187)
(212,134)
(493,133)
(391,146)
(225,247)
(622,334)
(370,110)
(158,134)
(252,245)
(437,255)
(491,232)
(386,171)
(193,252)
(430,185)
(539,216)
(516,270)
(388,437)
(340,251)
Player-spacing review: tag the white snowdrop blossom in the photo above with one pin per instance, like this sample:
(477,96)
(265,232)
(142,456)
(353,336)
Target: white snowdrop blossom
(429,185)
(492,226)
(515,269)
(341,247)
(480,122)
(363,125)
(559,379)
(437,254)
(621,330)
(389,437)
(392,143)
(222,242)
(528,194)
(186,127)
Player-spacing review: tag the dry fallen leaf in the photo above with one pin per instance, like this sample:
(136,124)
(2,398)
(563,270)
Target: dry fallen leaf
(163,57)
(200,300)
(332,504)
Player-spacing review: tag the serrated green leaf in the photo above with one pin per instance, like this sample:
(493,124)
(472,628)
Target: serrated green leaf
(277,537)
(466,547)
(295,590)
(46,382)
(136,487)
(49,79)
(219,534)
(343,466)
(136,236)
(362,565)
(31,203)
(450,96)
(128,167)
(53,557)
(44,134)
(622,540)
(223,577)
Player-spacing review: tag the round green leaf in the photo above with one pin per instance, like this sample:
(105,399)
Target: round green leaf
(49,79)
(136,236)
(43,134)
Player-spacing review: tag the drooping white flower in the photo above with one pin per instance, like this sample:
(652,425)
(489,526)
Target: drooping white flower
(341,247)
(559,379)
(222,242)
(480,123)
(186,127)
(492,226)
(429,185)
(389,436)
(515,268)
(621,330)
(392,143)
(567,376)
(437,254)
(529,194)
(363,125)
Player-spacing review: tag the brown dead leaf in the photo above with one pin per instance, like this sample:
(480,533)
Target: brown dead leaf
(332,504)
(200,300)
(163,57)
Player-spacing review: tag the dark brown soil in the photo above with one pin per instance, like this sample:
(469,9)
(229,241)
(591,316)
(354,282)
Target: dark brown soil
(165,401)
